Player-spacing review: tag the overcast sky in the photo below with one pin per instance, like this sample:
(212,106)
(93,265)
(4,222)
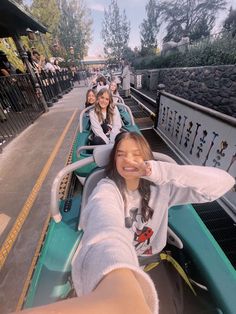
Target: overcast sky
(135,11)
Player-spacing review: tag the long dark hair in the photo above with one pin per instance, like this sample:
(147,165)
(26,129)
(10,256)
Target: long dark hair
(144,185)
(110,108)
(87,104)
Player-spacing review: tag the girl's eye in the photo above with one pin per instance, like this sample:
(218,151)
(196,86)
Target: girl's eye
(120,154)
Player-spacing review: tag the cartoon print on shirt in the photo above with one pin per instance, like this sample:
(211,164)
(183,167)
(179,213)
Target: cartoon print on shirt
(142,233)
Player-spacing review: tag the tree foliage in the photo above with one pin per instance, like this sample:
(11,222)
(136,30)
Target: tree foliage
(221,50)
(230,22)
(187,17)
(115,32)
(75,26)
(149,29)
(68,22)
(48,13)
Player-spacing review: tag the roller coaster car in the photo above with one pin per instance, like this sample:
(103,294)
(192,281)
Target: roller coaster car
(188,237)
(82,149)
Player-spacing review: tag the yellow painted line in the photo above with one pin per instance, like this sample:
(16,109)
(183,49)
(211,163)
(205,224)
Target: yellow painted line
(40,242)
(13,234)
(32,266)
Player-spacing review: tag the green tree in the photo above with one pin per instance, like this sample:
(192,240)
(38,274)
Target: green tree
(149,29)
(115,32)
(75,26)
(184,17)
(47,13)
(230,22)
(202,28)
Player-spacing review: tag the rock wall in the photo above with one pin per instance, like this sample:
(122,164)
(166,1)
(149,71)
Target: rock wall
(210,86)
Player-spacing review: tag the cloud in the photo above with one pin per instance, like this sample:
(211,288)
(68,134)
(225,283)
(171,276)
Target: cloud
(97,7)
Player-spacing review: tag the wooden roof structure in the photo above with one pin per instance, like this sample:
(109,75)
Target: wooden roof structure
(14,20)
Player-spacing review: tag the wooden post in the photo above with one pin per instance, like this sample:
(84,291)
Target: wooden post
(160,88)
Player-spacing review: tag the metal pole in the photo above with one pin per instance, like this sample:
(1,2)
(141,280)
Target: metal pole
(24,58)
(160,89)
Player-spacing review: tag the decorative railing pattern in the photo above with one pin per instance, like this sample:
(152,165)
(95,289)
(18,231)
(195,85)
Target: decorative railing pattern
(19,106)
(199,135)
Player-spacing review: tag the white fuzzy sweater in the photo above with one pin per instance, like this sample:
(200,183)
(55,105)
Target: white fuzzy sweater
(97,129)
(107,244)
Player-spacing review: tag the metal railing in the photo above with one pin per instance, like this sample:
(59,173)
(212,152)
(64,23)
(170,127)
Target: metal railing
(54,84)
(19,106)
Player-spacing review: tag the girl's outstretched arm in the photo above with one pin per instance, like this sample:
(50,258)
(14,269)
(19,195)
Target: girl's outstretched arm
(118,292)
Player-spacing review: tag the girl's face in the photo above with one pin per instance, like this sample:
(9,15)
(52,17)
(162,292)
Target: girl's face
(113,87)
(91,98)
(104,101)
(128,152)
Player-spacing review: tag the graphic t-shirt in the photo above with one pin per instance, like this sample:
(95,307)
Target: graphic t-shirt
(141,230)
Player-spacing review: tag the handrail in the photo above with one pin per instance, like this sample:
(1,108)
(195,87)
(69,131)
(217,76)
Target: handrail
(81,117)
(119,98)
(56,184)
(129,111)
(81,148)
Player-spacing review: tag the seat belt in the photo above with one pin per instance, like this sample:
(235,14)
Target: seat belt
(154,261)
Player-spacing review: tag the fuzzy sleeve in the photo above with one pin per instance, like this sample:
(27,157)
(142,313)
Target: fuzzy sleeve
(107,245)
(191,184)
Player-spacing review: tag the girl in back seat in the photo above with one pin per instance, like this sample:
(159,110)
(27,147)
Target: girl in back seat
(90,98)
(105,119)
(114,90)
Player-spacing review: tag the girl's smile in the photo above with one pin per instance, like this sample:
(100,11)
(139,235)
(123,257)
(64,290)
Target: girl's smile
(104,100)
(128,159)
(91,98)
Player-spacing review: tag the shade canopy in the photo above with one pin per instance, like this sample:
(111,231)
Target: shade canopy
(14,20)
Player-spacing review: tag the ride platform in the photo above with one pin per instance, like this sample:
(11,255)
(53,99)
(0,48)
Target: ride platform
(28,166)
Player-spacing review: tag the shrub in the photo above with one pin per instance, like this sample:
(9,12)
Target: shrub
(218,52)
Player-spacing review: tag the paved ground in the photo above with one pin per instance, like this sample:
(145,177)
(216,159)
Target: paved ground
(21,164)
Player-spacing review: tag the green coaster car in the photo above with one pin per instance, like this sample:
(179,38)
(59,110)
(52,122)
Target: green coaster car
(188,235)
(82,149)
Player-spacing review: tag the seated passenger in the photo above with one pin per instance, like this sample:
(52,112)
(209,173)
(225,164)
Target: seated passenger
(90,98)
(114,90)
(130,207)
(105,119)
(101,83)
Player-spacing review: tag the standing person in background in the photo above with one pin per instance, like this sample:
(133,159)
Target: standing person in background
(56,65)
(126,79)
(6,68)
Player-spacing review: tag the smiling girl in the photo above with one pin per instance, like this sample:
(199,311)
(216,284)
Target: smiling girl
(90,98)
(129,210)
(105,119)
